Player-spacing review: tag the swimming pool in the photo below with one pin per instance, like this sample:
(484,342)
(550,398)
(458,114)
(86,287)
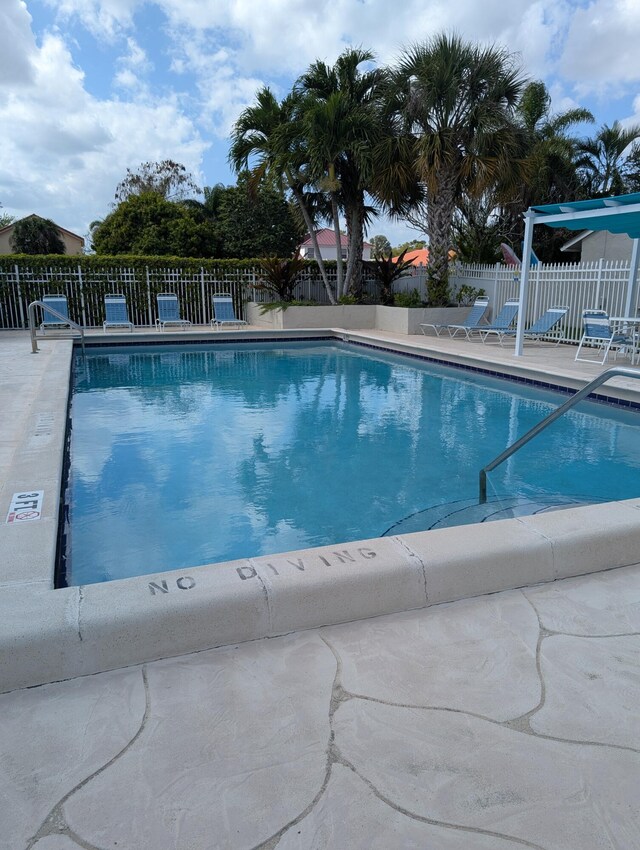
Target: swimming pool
(193,455)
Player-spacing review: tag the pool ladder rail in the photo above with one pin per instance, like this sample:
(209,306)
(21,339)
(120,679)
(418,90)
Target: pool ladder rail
(615,372)
(50,309)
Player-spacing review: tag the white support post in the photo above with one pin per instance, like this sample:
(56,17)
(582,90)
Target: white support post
(631,301)
(529,222)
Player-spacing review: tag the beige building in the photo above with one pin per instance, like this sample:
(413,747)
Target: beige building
(73,244)
(594,245)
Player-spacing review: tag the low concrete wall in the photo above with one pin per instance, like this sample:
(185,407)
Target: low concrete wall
(361,316)
(402,320)
(407,320)
(50,635)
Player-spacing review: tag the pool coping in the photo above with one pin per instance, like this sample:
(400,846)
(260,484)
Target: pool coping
(48,635)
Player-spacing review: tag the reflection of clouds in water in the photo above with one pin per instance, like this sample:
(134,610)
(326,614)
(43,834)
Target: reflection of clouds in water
(401,399)
(189,444)
(261,455)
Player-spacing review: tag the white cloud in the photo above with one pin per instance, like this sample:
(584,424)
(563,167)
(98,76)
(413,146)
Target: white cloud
(16,45)
(67,150)
(68,147)
(105,19)
(601,51)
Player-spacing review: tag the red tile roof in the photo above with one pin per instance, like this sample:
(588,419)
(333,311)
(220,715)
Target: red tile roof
(417,258)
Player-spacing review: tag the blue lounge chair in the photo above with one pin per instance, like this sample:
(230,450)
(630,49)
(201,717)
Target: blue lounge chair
(599,334)
(49,320)
(542,328)
(504,320)
(169,311)
(471,323)
(223,311)
(116,313)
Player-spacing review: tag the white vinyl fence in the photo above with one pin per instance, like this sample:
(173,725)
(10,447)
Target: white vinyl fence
(600,285)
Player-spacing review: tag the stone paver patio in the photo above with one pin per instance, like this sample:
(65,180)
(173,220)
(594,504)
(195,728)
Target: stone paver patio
(502,721)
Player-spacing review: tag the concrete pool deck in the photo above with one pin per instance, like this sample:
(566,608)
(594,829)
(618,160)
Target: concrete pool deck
(504,720)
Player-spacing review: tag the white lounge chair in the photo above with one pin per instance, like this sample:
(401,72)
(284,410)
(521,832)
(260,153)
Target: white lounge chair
(599,335)
(116,313)
(470,323)
(224,312)
(169,311)
(57,302)
(504,320)
(542,328)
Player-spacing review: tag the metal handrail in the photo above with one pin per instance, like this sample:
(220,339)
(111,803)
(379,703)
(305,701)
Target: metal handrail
(616,371)
(49,309)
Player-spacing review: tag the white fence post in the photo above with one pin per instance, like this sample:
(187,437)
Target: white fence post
(20,304)
(82,306)
(202,296)
(599,283)
(149,297)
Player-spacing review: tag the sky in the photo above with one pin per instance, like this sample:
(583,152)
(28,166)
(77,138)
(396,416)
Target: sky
(90,88)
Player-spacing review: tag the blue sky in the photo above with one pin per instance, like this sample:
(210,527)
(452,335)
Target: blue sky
(89,88)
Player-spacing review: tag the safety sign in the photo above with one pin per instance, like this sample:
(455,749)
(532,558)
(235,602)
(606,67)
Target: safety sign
(25,507)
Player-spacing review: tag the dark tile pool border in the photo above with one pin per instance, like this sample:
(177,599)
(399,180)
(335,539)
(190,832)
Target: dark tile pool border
(494,373)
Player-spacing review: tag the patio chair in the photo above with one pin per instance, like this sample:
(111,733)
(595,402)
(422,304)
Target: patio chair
(503,320)
(599,335)
(116,313)
(542,328)
(471,323)
(169,311)
(49,320)
(223,311)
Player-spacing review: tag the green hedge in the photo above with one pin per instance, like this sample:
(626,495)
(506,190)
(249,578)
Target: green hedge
(141,278)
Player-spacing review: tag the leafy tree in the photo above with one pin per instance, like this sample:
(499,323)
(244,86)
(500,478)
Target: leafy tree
(5,218)
(256,222)
(380,245)
(35,235)
(602,158)
(455,101)
(148,224)
(477,230)
(411,245)
(169,179)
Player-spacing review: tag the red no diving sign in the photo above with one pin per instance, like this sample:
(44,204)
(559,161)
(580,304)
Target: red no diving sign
(25,507)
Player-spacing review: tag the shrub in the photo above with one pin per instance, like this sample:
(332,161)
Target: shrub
(468,294)
(280,277)
(407,299)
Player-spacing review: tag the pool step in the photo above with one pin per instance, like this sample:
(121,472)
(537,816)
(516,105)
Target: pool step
(468,511)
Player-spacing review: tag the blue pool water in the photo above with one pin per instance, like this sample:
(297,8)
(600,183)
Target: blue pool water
(192,455)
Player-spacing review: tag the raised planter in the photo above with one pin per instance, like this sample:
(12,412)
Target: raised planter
(401,320)
(407,320)
(349,316)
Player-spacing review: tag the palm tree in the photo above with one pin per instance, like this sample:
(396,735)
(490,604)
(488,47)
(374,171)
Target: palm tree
(550,150)
(268,136)
(455,101)
(341,110)
(551,161)
(603,157)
